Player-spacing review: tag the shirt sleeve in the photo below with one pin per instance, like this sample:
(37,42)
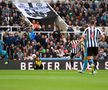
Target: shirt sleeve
(85,32)
(100,31)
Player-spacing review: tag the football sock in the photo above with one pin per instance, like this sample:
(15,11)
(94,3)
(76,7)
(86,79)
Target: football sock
(85,65)
(91,61)
(95,64)
(72,63)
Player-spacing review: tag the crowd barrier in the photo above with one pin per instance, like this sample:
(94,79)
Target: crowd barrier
(16,28)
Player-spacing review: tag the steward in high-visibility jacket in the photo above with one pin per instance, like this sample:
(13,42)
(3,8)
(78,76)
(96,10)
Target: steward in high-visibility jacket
(37,63)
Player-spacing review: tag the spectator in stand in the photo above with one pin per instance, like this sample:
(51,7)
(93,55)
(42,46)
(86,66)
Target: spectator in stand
(42,51)
(10,4)
(43,28)
(33,44)
(103,44)
(102,54)
(50,28)
(36,25)
(43,41)
(32,34)
(11,49)
(15,55)
(24,40)
(48,53)
(15,17)
(70,26)
(57,35)
(2,3)
(16,39)
(9,39)
(20,54)
(38,45)
(93,5)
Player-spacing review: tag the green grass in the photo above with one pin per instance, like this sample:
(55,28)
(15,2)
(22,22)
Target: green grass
(52,80)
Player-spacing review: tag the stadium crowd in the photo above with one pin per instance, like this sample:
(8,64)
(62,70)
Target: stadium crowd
(24,45)
(10,15)
(80,12)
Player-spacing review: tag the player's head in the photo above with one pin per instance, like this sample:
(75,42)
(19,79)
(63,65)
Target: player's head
(92,22)
(74,38)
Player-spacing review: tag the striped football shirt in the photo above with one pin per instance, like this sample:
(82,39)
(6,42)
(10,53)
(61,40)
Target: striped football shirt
(75,47)
(92,35)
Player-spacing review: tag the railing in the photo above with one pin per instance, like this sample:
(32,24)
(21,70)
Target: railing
(9,28)
(16,28)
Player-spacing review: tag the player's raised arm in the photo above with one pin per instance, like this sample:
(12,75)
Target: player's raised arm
(102,36)
(83,36)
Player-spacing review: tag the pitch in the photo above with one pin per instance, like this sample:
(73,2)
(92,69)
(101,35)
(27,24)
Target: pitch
(52,80)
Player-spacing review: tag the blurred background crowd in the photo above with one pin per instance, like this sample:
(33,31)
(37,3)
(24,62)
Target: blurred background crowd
(80,12)
(24,43)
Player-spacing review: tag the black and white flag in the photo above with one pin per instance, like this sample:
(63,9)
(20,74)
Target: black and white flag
(36,10)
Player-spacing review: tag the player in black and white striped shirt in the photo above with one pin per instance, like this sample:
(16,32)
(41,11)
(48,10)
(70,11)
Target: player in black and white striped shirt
(92,35)
(74,49)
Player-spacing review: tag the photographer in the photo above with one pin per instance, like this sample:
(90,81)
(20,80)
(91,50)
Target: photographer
(37,63)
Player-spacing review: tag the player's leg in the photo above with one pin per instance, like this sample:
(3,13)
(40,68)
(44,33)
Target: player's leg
(91,61)
(94,64)
(95,49)
(85,61)
(84,65)
(95,56)
(90,57)
(72,57)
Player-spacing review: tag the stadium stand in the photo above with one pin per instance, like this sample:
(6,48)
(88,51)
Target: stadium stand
(81,12)
(48,41)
